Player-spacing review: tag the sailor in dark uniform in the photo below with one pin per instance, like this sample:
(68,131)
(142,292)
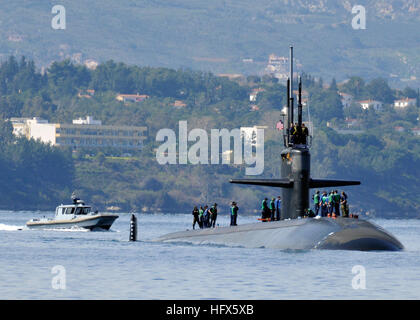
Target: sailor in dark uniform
(233,214)
(213,216)
(195,214)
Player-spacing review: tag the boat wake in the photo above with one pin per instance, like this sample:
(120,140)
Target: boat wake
(6,227)
(70,229)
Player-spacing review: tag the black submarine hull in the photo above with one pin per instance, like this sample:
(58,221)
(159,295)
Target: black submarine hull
(296,234)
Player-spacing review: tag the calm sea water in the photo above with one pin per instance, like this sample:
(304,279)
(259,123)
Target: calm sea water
(105,265)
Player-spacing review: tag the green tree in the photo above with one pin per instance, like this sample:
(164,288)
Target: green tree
(66,78)
(326,105)
(6,133)
(355,86)
(378,89)
(409,93)
(333,86)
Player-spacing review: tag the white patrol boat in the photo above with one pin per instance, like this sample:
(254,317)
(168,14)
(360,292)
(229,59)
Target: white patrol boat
(76,215)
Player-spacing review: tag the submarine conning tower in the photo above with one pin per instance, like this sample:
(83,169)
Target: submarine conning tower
(295,178)
(291,232)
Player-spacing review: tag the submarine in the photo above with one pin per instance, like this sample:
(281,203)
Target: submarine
(295,231)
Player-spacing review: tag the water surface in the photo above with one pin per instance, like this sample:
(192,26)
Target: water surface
(105,265)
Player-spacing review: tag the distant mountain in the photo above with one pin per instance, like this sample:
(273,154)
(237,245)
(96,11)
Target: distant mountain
(223,36)
(382,9)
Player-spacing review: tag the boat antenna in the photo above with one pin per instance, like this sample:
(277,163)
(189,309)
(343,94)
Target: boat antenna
(300,103)
(291,107)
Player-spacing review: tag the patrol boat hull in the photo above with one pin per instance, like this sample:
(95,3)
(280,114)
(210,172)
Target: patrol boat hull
(296,234)
(99,221)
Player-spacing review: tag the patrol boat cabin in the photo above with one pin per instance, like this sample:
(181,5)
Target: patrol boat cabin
(76,215)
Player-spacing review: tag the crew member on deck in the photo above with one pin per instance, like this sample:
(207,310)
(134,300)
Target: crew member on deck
(213,217)
(324,204)
(336,197)
(330,202)
(317,202)
(233,214)
(309,213)
(265,211)
(201,217)
(344,205)
(278,208)
(305,134)
(272,209)
(195,214)
(206,217)
(292,133)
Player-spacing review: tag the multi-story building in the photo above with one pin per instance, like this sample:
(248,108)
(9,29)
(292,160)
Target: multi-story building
(81,133)
(35,128)
(404,103)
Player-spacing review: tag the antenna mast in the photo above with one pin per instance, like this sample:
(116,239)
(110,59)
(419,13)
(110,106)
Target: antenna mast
(291,106)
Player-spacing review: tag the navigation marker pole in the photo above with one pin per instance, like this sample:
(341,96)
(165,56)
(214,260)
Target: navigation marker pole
(133,228)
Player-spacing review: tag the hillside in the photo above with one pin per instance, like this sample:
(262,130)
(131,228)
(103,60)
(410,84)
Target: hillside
(217,35)
(37,176)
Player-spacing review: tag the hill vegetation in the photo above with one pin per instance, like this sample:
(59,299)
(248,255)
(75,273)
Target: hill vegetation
(37,176)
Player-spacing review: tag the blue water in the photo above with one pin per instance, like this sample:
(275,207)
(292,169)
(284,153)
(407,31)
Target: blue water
(105,265)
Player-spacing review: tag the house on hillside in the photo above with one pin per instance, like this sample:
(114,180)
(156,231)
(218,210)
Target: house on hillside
(351,123)
(278,67)
(254,93)
(91,64)
(179,104)
(405,102)
(346,99)
(416,131)
(399,128)
(86,94)
(132,97)
(371,104)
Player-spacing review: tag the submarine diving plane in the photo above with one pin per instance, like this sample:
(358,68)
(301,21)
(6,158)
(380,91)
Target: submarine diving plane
(293,231)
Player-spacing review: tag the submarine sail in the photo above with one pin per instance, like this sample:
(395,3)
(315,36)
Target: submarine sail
(292,232)
(295,162)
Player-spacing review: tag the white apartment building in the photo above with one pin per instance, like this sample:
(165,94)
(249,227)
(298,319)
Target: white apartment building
(81,133)
(36,128)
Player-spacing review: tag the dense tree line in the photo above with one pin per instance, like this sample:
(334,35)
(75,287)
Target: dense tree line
(32,173)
